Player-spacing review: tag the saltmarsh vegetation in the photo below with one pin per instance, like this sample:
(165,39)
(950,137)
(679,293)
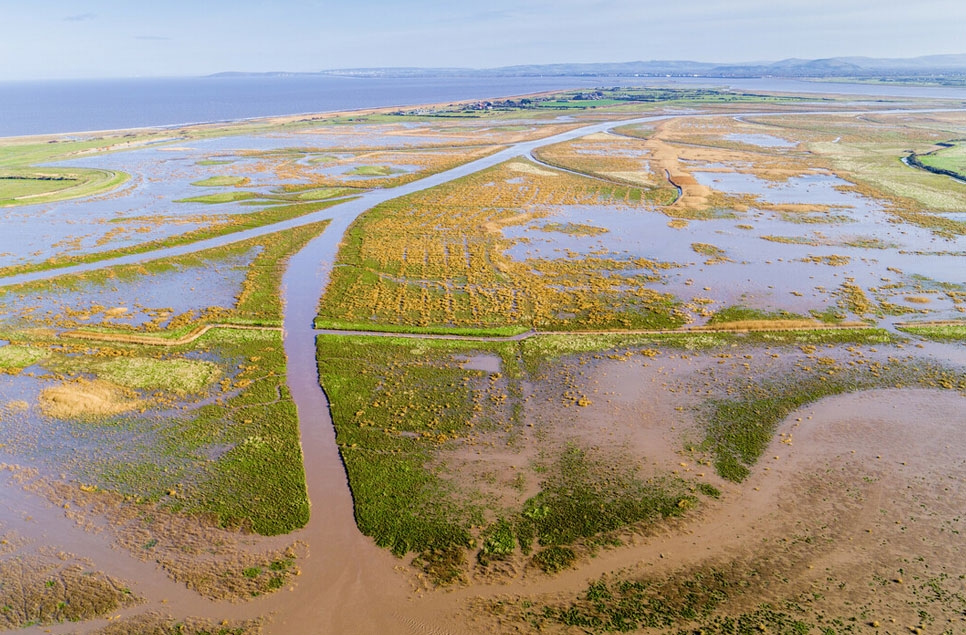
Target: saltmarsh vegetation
(438,259)
(258,481)
(257,304)
(868,154)
(40,590)
(221,430)
(700,600)
(739,428)
(255,479)
(393,403)
(348,168)
(950,331)
(227,225)
(14,359)
(233,455)
(618,159)
(400,406)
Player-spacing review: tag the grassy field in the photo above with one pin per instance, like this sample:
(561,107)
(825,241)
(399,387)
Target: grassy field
(26,186)
(952,159)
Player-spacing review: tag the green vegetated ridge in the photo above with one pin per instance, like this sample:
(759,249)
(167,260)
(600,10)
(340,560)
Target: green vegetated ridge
(47,185)
(736,597)
(949,159)
(21,183)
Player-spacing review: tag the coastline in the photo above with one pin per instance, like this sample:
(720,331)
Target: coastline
(769,86)
(267,121)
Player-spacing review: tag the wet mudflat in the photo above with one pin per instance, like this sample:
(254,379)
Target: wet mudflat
(604,415)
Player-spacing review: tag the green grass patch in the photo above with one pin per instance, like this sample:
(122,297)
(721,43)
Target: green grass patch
(586,496)
(323,193)
(939,332)
(745,314)
(554,559)
(14,358)
(709,490)
(258,482)
(374,170)
(677,604)
(544,348)
(179,376)
(950,159)
(739,430)
(219,197)
(223,181)
(869,336)
(498,542)
(393,401)
(707,249)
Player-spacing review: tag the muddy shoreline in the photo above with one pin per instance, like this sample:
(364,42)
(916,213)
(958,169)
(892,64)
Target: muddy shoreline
(349,585)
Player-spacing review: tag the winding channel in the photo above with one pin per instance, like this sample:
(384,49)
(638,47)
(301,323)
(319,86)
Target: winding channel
(347,584)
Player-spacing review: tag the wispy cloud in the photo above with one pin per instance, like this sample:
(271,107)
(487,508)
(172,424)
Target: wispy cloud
(80,17)
(156,38)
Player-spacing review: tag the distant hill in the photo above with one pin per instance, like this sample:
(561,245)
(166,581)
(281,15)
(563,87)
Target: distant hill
(930,66)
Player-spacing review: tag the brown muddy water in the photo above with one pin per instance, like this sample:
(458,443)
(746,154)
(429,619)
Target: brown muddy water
(905,441)
(345,574)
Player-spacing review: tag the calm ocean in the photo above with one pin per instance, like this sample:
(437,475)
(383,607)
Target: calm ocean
(73,106)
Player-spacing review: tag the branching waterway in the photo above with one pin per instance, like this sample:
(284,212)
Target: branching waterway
(347,583)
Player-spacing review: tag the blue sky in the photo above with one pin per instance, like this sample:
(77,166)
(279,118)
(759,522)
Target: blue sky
(127,38)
